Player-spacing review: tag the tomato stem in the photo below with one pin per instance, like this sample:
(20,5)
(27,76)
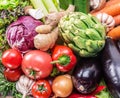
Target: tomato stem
(41,88)
(32,72)
(63,60)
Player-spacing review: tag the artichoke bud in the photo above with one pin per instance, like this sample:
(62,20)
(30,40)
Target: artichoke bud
(83,33)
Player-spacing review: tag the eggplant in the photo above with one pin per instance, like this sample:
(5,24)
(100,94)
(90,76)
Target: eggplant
(110,59)
(87,75)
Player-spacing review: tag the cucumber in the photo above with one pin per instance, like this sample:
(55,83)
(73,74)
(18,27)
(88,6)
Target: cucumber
(65,3)
(82,6)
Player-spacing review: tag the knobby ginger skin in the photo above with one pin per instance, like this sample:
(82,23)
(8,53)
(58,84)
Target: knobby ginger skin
(48,33)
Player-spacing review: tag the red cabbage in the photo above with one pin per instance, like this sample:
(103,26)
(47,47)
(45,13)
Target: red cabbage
(20,34)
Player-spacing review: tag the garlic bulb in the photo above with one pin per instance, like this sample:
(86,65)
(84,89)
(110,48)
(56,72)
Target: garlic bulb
(24,85)
(97,4)
(106,20)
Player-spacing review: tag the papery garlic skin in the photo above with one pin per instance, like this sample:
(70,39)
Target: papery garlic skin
(97,4)
(107,20)
(24,85)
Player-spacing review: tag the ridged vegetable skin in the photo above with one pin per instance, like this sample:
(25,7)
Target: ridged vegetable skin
(83,33)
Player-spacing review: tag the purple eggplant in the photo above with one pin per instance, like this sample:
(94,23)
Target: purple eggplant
(87,75)
(110,58)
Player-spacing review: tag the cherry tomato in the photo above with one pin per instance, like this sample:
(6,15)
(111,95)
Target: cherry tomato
(12,74)
(11,58)
(36,64)
(41,89)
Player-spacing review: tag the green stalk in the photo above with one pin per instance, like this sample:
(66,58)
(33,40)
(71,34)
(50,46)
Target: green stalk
(56,3)
(50,6)
(39,4)
(65,3)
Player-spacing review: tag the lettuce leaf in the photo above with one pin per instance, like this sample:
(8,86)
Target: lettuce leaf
(105,93)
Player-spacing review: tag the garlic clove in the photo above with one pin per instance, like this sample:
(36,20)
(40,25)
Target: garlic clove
(106,20)
(36,13)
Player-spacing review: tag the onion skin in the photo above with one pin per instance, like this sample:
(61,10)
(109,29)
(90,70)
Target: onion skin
(62,86)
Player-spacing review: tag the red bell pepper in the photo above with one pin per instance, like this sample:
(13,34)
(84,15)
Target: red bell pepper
(64,58)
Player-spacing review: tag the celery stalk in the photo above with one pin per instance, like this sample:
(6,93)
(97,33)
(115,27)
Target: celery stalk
(39,4)
(50,6)
(56,3)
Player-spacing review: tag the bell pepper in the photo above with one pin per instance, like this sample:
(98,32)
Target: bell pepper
(64,58)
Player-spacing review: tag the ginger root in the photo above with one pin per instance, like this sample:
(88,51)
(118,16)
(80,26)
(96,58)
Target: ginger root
(48,33)
(46,41)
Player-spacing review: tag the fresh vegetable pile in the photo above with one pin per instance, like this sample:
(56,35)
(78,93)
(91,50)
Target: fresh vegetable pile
(59,48)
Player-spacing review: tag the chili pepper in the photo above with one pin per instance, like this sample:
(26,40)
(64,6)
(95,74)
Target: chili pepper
(92,95)
(99,89)
(64,58)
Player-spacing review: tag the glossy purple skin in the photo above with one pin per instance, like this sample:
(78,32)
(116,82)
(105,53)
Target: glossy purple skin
(87,75)
(111,67)
(20,33)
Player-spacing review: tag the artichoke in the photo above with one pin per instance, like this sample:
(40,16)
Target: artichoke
(83,33)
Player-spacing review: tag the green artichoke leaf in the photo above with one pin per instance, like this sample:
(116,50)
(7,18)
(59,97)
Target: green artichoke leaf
(70,35)
(85,53)
(95,46)
(65,38)
(74,47)
(101,30)
(93,34)
(81,33)
(80,42)
(87,20)
(94,19)
(80,24)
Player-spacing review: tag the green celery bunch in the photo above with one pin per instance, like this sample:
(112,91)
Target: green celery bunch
(46,6)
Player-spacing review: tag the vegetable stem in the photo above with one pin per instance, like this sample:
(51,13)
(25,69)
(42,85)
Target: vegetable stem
(63,60)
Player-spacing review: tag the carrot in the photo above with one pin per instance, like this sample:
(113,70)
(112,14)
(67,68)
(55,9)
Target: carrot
(114,33)
(111,2)
(112,10)
(117,20)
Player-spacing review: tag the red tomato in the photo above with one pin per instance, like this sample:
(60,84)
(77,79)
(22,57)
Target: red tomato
(41,89)
(36,64)
(11,58)
(12,74)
